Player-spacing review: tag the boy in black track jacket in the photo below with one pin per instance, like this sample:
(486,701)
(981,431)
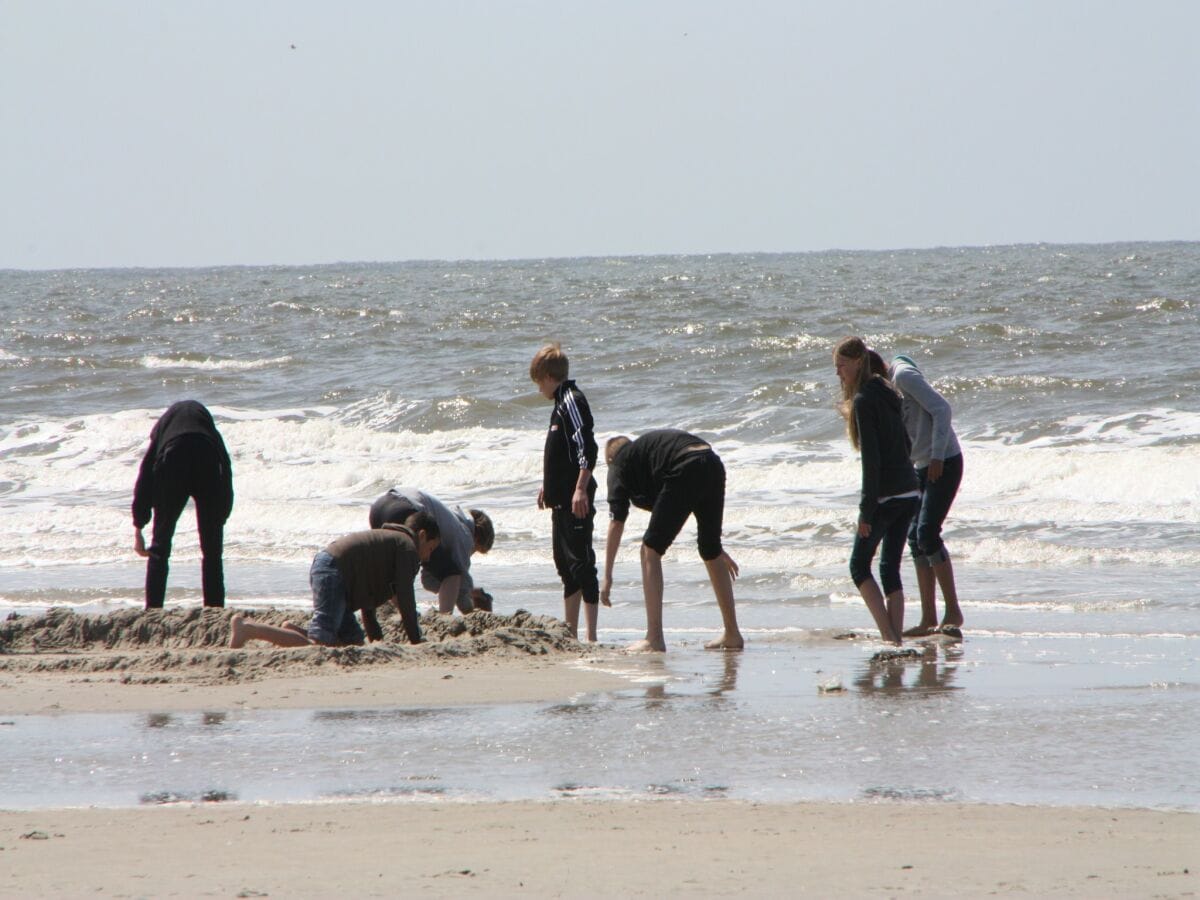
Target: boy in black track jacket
(568,488)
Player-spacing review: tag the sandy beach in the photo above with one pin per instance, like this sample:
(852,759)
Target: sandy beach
(595,849)
(178,661)
(175,662)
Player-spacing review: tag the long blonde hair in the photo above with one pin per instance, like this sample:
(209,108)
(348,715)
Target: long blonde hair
(872,366)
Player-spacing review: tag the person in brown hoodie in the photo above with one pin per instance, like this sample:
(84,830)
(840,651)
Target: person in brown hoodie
(357,572)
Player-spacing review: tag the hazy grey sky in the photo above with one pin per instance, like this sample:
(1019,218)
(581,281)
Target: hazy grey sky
(200,133)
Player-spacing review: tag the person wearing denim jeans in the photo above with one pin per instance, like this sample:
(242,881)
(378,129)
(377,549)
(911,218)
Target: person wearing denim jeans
(357,572)
(939,462)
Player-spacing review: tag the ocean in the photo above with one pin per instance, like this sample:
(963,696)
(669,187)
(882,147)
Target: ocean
(1075,535)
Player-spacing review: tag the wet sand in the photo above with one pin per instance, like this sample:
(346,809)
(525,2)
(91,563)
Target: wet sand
(176,661)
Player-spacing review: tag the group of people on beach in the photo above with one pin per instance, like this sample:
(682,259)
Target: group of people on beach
(901,426)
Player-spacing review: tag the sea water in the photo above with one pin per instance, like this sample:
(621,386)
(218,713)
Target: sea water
(1074,536)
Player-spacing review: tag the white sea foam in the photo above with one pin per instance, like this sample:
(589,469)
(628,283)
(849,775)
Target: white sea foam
(304,475)
(213,365)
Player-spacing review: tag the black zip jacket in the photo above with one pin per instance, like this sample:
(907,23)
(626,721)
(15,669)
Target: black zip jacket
(570,446)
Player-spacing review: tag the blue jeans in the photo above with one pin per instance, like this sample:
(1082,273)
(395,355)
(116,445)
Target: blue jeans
(889,525)
(332,622)
(925,533)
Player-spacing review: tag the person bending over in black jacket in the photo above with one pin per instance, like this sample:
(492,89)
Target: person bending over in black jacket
(673,474)
(186,458)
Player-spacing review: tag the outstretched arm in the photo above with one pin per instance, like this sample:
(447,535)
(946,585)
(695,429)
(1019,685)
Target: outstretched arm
(611,543)
(406,605)
(448,592)
(371,625)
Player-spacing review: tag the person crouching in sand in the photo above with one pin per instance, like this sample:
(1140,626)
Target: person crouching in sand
(447,572)
(357,572)
(673,474)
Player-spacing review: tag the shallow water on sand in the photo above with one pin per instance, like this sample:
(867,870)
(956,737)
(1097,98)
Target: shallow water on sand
(998,718)
(1075,535)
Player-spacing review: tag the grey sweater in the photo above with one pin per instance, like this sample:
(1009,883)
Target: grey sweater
(926,414)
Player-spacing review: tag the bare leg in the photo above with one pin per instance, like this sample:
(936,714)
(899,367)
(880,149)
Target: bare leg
(944,571)
(929,619)
(241,631)
(652,591)
(895,609)
(571,612)
(720,572)
(873,597)
(592,612)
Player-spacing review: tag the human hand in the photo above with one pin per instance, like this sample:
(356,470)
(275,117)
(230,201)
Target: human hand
(579,504)
(541,501)
(481,599)
(935,470)
(606,591)
(139,543)
(732,566)
(864,529)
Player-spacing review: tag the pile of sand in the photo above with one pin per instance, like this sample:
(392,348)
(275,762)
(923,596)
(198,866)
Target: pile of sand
(151,645)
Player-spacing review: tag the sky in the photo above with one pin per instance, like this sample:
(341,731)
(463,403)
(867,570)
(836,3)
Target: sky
(171,133)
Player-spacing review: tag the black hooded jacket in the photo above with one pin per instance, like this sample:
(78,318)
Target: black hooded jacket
(186,420)
(884,445)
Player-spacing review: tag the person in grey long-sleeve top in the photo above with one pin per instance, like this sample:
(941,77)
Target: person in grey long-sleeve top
(938,459)
(447,572)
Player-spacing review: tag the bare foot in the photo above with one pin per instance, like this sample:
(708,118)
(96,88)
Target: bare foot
(647,646)
(726,642)
(922,630)
(292,626)
(237,634)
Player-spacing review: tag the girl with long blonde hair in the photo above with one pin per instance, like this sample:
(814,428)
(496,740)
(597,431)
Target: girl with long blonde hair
(889,496)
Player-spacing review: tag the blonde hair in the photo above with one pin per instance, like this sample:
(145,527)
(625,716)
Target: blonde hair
(871,366)
(549,362)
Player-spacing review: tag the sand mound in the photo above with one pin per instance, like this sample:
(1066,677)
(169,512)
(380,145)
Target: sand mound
(159,645)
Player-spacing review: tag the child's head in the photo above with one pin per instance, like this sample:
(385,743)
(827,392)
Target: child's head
(425,527)
(856,364)
(485,532)
(613,446)
(852,361)
(549,368)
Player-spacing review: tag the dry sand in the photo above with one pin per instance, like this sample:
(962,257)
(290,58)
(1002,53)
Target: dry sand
(598,849)
(177,661)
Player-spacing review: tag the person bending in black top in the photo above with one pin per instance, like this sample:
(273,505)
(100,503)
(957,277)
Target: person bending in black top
(673,474)
(890,490)
(186,458)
